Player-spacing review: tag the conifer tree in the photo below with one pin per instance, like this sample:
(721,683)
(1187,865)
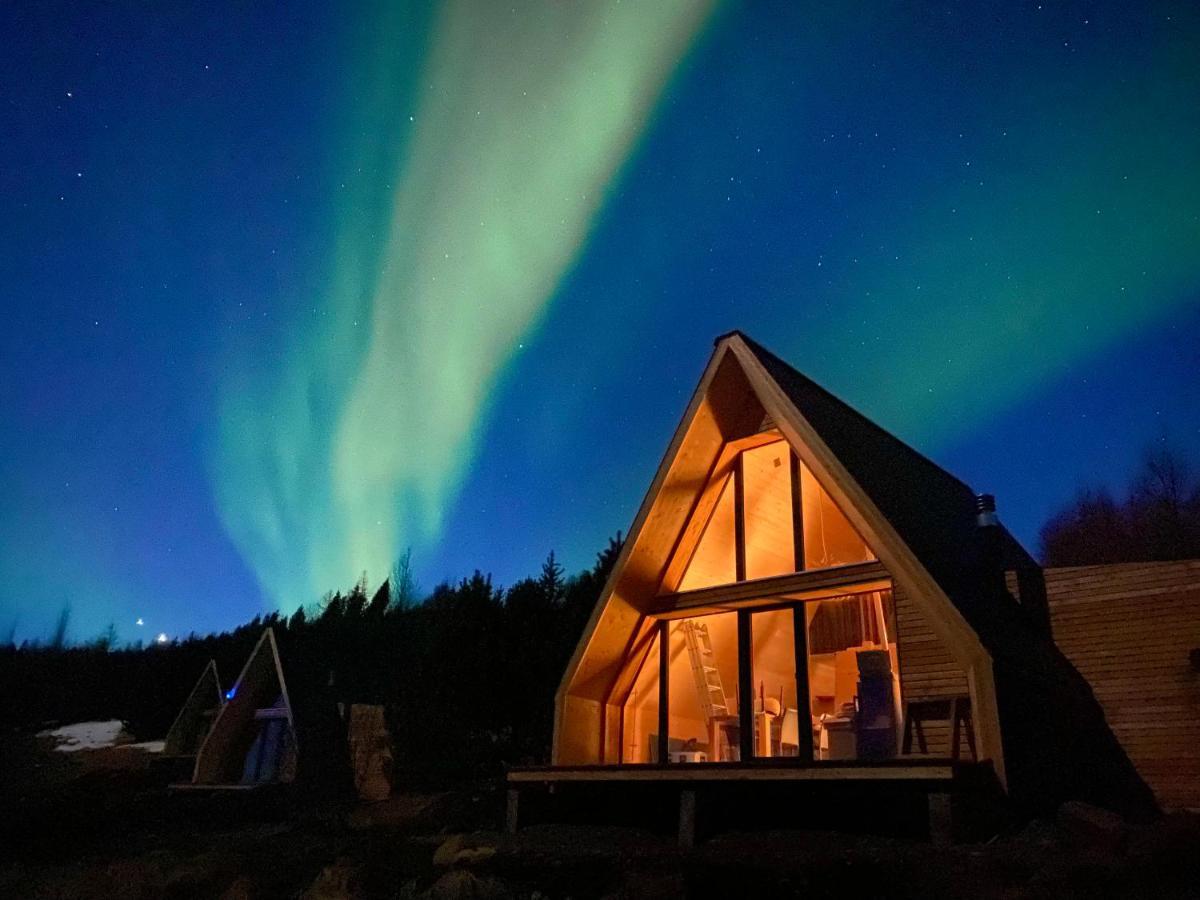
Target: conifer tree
(551,581)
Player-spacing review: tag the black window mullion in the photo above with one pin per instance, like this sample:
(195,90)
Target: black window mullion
(664,671)
(803,702)
(797,513)
(745,687)
(739,518)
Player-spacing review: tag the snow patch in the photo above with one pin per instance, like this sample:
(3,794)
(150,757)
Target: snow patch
(86,735)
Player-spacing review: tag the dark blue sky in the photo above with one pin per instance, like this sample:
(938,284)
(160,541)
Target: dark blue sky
(287,291)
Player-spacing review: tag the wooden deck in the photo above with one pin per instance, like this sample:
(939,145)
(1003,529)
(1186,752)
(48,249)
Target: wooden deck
(884,770)
(936,778)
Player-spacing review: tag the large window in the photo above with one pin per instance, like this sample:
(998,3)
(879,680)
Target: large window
(829,538)
(817,679)
(778,718)
(853,676)
(702,709)
(746,522)
(639,715)
(715,558)
(770,541)
(784,675)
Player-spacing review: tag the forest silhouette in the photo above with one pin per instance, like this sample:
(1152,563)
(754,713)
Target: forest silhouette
(467,674)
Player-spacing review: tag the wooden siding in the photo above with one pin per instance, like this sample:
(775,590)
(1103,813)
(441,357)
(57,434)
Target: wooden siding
(1128,629)
(927,669)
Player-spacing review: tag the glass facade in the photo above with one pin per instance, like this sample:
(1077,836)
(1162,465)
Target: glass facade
(853,676)
(714,560)
(829,538)
(832,690)
(778,496)
(770,540)
(702,709)
(821,675)
(639,715)
(777,715)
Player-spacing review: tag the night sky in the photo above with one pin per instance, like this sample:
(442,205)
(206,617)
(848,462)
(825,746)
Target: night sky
(290,287)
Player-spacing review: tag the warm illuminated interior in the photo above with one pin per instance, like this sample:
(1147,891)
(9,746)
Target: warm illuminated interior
(852,705)
(715,558)
(770,542)
(829,539)
(777,715)
(841,702)
(767,475)
(853,676)
(702,686)
(639,715)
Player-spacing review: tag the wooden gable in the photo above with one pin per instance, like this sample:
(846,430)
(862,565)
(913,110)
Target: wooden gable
(737,398)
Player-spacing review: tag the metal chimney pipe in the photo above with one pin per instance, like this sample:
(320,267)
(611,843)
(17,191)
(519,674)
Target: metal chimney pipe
(988,537)
(985,511)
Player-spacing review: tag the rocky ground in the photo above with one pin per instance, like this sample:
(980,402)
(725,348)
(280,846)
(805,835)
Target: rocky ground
(101,824)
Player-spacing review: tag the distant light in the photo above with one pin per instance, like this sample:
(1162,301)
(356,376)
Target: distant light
(231,693)
(139,621)
(162,637)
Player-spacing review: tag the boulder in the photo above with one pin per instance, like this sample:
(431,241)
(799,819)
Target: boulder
(336,882)
(459,884)
(1090,826)
(455,851)
(444,855)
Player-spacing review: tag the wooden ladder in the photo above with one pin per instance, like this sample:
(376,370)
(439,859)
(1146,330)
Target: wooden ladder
(704,669)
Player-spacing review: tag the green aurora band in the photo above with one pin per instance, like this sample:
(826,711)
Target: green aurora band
(522,116)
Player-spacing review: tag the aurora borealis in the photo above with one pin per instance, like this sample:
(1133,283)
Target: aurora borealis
(286,296)
(521,118)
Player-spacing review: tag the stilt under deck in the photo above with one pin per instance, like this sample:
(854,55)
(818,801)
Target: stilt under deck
(942,782)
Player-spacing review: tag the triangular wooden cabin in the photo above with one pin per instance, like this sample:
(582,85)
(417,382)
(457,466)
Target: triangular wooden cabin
(804,596)
(196,716)
(253,740)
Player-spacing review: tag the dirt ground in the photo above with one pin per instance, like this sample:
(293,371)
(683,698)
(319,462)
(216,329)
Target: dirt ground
(102,824)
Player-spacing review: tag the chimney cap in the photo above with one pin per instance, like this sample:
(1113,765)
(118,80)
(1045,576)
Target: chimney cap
(985,511)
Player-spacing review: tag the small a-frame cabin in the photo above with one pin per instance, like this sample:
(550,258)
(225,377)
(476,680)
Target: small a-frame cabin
(804,596)
(196,716)
(253,740)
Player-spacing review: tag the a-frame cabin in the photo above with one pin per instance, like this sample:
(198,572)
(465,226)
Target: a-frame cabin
(802,595)
(253,740)
(196,716)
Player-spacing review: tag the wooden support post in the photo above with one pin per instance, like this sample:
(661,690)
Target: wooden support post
(511,810)
(687,819)
(941,820)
